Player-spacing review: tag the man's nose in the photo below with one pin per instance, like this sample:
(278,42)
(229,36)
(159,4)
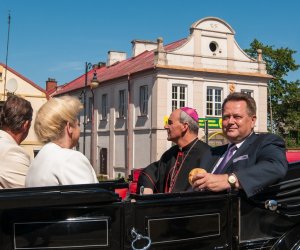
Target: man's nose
(231,119)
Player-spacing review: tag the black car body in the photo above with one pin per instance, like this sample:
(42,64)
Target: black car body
(95,217)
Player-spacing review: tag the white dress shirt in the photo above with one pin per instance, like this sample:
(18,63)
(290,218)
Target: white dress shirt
(238,145)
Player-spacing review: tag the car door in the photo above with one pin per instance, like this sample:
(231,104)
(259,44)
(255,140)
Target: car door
(181,221)
(69,217)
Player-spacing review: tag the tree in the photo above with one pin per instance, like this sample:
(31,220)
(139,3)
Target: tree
(283,95)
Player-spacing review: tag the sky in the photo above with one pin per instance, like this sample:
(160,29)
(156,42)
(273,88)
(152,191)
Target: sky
(54,38)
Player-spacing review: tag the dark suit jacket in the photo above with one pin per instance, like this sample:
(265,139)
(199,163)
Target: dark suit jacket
(259,162)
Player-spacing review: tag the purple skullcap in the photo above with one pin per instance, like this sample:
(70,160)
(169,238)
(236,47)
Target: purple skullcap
(191,113)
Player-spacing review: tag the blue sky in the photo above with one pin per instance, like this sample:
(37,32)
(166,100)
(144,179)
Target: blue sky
(54,38)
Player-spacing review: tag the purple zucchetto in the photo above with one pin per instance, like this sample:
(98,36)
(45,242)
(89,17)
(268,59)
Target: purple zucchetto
(191,113)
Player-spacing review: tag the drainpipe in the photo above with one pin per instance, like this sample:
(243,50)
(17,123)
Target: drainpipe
(129,128)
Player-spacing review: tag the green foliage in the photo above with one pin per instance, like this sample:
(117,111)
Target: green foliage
(283,95)
(102,177)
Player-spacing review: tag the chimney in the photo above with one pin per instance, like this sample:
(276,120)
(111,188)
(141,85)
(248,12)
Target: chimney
(115,56)
(51,84)
(139,46)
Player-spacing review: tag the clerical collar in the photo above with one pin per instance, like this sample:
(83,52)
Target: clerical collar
(187,147)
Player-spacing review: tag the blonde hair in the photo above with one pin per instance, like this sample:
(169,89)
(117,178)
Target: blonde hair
(53,116)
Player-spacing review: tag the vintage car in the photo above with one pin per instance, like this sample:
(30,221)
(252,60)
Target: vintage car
(95,217)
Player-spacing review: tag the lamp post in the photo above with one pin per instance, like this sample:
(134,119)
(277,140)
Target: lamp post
(93,84)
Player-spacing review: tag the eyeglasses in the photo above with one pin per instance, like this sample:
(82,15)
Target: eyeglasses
(169,122)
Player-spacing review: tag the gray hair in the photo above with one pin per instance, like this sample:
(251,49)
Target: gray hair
(193,125)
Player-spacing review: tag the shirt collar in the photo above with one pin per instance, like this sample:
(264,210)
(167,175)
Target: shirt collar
(238,145)
(187,147)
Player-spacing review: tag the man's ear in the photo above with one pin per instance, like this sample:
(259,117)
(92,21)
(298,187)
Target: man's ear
(253,121)
(185,126)
(26,125)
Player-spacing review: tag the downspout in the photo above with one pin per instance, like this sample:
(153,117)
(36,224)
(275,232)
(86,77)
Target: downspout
(151,115)
(129,128)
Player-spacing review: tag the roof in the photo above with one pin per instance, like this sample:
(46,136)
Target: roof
(24,78)
(141,62)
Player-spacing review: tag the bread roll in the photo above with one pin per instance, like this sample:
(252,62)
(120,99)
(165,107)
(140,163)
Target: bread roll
(194,172)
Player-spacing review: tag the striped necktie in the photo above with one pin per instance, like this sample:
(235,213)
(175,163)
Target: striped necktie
(227,157)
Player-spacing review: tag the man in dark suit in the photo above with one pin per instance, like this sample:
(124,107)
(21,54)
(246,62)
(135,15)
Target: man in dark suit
(250,161)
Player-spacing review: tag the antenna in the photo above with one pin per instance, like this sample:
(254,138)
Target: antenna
(6,54)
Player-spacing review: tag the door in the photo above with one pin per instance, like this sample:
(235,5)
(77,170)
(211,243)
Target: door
(182,221)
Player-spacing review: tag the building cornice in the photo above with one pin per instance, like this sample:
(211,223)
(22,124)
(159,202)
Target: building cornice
(215,71)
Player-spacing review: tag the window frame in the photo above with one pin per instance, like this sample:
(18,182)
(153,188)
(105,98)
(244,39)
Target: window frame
(122,103)
(104,106)
(214,102)
(144,100)
(248,91)
(177,101)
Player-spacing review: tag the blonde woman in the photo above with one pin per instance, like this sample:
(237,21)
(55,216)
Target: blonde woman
(57,163)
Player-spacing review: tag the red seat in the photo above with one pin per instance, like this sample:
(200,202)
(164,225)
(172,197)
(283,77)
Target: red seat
(122,192)
(135,173)
(293,156)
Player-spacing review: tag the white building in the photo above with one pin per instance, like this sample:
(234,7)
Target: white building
(136,94)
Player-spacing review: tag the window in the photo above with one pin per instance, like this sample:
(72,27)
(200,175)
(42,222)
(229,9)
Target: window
(214,102)
(213,46)
(179,96)
(104,106)
(122,103)
(144,100)
(247,91)
(103,161)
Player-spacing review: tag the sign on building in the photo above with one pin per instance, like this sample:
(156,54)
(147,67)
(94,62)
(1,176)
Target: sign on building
(213,123)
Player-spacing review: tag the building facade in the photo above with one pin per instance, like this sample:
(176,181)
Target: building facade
(18,84)
(126,112)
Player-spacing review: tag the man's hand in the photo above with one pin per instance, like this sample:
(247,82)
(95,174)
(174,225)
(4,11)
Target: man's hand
(212,182)
(148,191)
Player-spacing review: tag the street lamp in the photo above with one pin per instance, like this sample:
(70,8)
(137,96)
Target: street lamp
(94,83)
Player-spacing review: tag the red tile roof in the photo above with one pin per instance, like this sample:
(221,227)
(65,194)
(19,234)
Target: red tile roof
(141,62)
(24,78)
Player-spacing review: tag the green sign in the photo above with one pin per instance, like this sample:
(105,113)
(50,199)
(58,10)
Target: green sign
(212,122)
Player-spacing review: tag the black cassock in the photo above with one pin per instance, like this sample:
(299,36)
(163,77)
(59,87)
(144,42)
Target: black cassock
(170,174)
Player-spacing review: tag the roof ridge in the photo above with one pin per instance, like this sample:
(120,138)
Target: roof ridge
(23,77)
